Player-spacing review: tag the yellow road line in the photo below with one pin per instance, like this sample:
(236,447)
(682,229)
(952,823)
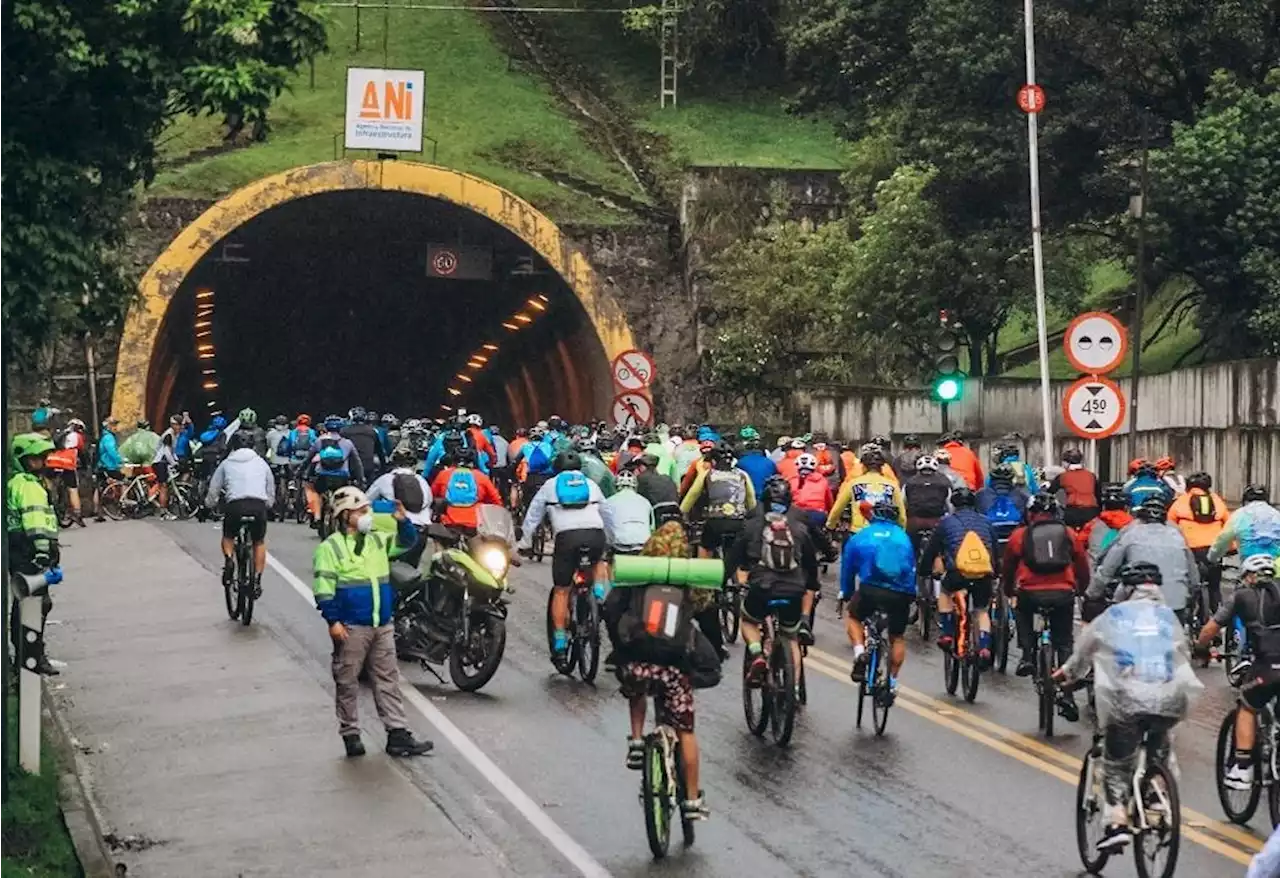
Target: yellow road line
(827,665)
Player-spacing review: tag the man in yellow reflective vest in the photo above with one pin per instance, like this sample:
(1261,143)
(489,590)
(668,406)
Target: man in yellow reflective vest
(31,529)
(353,592)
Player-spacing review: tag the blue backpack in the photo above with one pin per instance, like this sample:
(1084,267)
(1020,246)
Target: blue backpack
(1004,514)
(539,461)
(573,491)
(462,489)
(888,565)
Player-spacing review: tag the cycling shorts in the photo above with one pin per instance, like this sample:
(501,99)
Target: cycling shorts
(979,589)
(870,599)
(245,507)
(756,604)
(324,484)
(70,478)
(1261,684)
(161,468)
(570,545)
(719,533)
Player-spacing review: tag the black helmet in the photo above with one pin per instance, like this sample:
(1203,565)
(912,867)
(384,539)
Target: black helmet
(1201,480)
(881,440)
(465,457)
(962,498)
(567,460)
(1113,496)
(1003,473)
(358,415)
(1152,508)
(240,439)
(777,492)
(1073,456)
(911,440)
(1044,503)
(1256,492)
(1140,573)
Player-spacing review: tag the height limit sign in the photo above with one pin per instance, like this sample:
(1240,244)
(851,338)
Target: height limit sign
(1093,407)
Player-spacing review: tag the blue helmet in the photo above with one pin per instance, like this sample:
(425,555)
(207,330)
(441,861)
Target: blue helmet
(333,423)
(218,423)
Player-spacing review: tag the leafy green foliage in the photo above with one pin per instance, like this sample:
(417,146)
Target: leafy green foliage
(88,87)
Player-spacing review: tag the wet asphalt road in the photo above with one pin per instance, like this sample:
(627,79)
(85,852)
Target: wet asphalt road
(951,788)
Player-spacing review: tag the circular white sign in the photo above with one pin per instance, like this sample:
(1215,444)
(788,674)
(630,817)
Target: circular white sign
(632,370)
(632,410)
(1094,407)
(1095,342)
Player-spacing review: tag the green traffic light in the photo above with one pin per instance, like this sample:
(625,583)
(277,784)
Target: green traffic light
(947,389)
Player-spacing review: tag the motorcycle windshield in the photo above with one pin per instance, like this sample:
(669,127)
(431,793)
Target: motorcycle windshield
(494,523)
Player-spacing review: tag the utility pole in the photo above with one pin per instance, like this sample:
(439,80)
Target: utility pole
(1032,109)
(1138,210)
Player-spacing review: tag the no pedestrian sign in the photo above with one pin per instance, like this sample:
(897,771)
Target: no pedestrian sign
(633,370)
(1094,407)
(632,410)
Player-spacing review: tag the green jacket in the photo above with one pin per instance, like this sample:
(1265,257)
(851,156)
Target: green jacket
(31,526)
(595,469)
(355,588)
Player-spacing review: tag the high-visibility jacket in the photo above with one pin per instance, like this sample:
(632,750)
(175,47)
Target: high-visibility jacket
(31,526)
(1198,534)
(354,587)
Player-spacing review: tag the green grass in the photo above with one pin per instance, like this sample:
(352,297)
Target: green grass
(35,839)
(480,112)
(1106,279)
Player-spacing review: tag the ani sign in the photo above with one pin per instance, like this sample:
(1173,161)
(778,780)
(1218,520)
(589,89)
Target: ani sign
(385,109)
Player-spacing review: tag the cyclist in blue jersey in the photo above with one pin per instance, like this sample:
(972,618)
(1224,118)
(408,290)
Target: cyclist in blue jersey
(1145,482)
(753,461)
(878,573)
(1254,527)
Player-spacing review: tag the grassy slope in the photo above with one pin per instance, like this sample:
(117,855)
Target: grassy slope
(36,843)
(477,109)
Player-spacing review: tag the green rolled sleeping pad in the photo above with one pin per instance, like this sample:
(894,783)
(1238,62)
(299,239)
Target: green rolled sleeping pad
(690,572)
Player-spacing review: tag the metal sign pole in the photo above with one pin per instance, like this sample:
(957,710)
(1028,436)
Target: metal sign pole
(1036,246)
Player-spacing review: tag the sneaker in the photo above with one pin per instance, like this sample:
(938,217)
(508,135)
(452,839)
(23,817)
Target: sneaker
(1067,708)
(635,753)
(756,672)
(1025,668)
(695,809)
(1114,838)
(228,572)
(804,635)
(559,644)
(1239,777)
(80,522)
(859,672)
(257,587)
(946,642)
(401,742)
(355,747)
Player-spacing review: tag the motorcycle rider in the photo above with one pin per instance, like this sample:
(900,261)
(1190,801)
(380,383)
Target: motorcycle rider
(353,593)
(631,514)
(1152,539)
(367,442)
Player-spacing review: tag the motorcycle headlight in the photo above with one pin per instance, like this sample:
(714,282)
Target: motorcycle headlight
(494,560)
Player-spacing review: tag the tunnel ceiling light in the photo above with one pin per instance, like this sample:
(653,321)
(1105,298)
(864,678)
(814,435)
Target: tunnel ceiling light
(543,298)
(472,364)
(534,303)
(205,294)
(491,347)
(481,357)
(453,391)
(461,377)
(210,385)
(523,318)
(210,372)
(211,403)
(207,356)
(512,327)
(202,323)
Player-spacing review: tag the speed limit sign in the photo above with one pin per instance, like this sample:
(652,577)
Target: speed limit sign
(1094,407)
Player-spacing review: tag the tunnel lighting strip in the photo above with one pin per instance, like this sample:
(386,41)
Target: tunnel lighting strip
(536,304)
(205,351)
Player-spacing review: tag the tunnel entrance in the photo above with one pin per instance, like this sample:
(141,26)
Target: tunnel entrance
(400,287)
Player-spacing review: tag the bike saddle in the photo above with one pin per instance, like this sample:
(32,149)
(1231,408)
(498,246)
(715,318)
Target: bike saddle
(442,533)
(404,575)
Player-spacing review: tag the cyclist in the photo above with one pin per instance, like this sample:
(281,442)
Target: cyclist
(500,467)
(460,489)
(401,483)
(707,449)
(1166,468)
(1256,603)
(1145,482)
(810,490)
(107,464)
(361,434)
(244,479)
(1254,528)
(753,461)
(631,514)
(594,466)
(74,444)
(631,449)
(866,490)
(1042,567)
(654,444)
(580,520)
(1142,683)
(1153,539)
(536,458)
(1079,489)
(299,440)
(775,557)
(904,462)
(964,461)
(1098,535)
(276,437)
(829,466)
(31,529)
(479,438)
(787,465)
(878,574)
(1010,455)
(725,494)
(1201,515)
(334,464)
(859,468)
(686,449)
(967,543)
(943,456)
(140,448)
(657,488)
(927,494)
(165,461)
(248,419)
(1003,503)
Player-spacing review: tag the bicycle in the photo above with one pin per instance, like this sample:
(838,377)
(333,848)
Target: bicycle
(1003,628)
(927,585)
(240,594)
(877,671)
(584,624)
(962,659)
(729,600)
(778,692)
(1155,813)
(538,542)
(1046,662)
(662,789)
(1240,805)
(296,495)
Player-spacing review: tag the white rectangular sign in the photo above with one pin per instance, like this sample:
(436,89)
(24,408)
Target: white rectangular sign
(385,109)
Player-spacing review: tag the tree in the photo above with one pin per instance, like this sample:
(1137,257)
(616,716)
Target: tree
(88,87)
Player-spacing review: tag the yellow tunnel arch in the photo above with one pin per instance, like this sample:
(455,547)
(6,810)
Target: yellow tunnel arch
(130,399)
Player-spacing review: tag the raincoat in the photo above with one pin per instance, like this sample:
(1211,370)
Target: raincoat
(140,447)
(1158,543)
(1255,527)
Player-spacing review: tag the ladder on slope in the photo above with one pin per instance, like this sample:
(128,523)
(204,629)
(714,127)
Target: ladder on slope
(670,44)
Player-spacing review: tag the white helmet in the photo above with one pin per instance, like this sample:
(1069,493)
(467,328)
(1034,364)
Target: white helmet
(349,498)
(806,462)
(1260,563)
(625,479)
(475,420)
(926,463)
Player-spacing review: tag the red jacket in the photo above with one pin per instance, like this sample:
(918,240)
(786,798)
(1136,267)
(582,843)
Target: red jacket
(966,463)
(482,443)
(1116,519)
(1016,573)
(787,466)
(812,492)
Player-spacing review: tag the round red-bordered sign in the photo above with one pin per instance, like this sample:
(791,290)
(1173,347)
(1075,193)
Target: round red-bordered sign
(633,370)
(1094,407)
(632,410)
(1095,342)
(444,262)
(1031,98)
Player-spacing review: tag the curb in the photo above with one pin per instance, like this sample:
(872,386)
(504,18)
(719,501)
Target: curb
(78,811)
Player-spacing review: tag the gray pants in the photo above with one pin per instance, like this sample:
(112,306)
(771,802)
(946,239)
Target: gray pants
(374,648)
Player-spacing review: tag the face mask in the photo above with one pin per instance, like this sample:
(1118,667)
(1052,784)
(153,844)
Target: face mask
(364,523)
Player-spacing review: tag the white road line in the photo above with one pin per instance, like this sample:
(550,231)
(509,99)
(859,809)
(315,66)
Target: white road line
(575,853)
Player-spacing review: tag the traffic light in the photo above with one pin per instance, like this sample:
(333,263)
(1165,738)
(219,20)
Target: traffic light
(948,380)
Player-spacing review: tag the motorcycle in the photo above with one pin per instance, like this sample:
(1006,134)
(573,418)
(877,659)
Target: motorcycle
(456,612)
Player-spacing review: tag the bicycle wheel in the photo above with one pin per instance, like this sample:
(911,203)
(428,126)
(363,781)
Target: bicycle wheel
(682,793)
(1238,805)
(950,671)
(1155,850)
(926,613)
(782,689)
(755,703)
(588,637)
(1044,671)
(244,583)
(230,594)
(109,501)
(802,685)
(654,797)
(1000,633)
(182,500)
(300,512)
(882,695)
(1090,824)
(971,666)
(862,697)
(730,607)
(539,544)
(564,662)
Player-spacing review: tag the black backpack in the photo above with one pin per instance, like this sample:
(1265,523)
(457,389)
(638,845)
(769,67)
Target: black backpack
(1268,633)
(657,625)
(1047,547)
(1203,509)
(408,490)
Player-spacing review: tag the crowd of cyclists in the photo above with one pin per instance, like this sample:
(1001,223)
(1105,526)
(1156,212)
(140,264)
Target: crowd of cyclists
(916,531)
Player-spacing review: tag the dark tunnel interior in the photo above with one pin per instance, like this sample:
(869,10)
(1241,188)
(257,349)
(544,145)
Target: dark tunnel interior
(390,300)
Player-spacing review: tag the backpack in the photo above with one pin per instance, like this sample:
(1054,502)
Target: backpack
(726,494)
(331,457)
(658,625)
(462,489)
(408,490)
(973,558)
(1004,514)
(539,461)
(300,439)
(1047,547)
(1268,634)
(888,564)
(573,490)
(1203,509)
(778,549)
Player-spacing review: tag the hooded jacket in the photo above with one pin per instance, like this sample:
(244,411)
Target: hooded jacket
(966,463)
(950,533)
(1255,527)
(758,467)
(244,474)
(1158,543)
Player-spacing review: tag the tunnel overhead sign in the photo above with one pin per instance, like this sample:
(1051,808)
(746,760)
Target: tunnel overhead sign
(385,109)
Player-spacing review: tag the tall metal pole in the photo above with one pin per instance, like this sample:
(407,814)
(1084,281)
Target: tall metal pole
(1037,248)
(1139,211)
